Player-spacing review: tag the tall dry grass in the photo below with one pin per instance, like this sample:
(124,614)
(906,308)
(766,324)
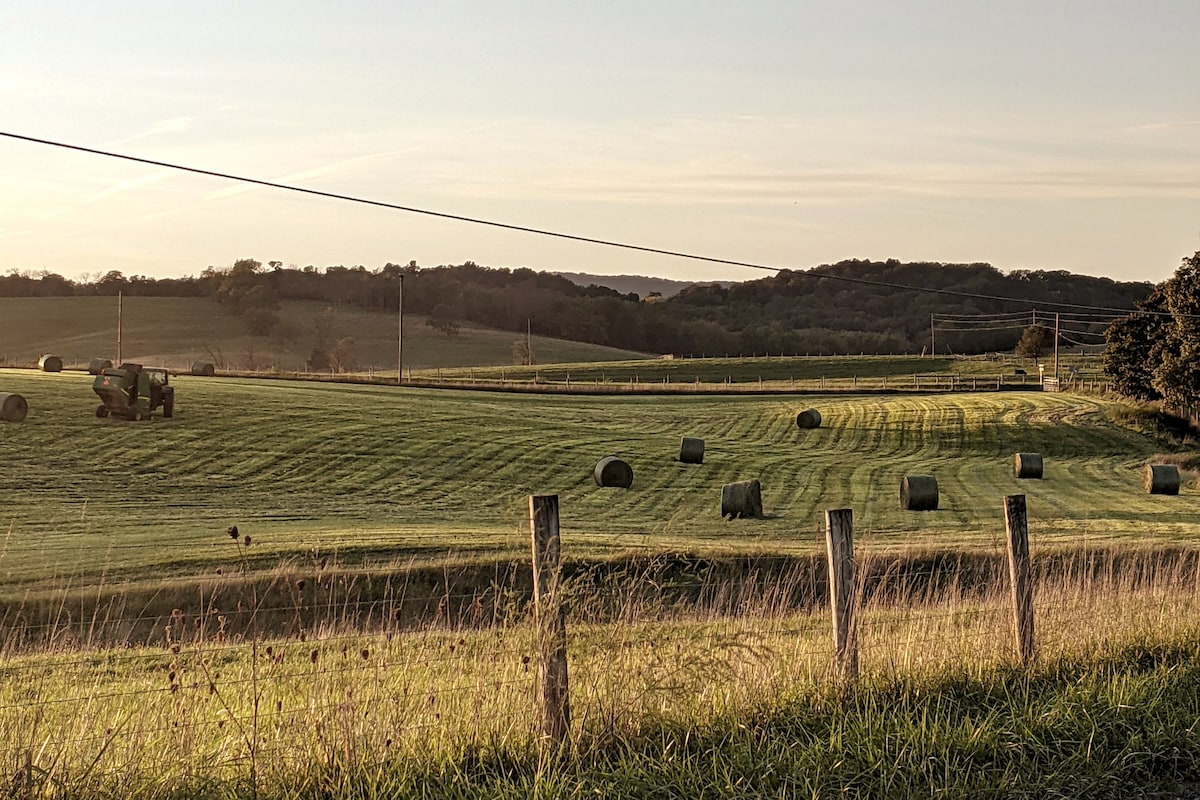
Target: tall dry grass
(354,693)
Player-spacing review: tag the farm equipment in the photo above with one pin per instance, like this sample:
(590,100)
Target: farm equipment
(133,392)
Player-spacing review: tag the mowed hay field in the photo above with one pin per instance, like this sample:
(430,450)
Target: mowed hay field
(382,475)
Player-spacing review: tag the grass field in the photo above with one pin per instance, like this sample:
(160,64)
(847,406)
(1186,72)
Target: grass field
(381,473)
(338,485)
(176,331)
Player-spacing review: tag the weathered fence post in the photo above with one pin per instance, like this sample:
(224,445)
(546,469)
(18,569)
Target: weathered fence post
(1016,526)
(839,539)
(551,623)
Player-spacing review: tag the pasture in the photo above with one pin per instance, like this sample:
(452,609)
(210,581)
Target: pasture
(276,666)
(379,474)
(175,331)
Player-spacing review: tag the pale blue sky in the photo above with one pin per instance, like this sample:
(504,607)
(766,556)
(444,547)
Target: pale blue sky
(1032,135)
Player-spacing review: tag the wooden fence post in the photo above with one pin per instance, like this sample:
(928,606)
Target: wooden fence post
(839,539)
(553,694)
(1016,526)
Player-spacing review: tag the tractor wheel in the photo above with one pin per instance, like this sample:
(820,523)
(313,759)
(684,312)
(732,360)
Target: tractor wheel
(168,406)
(101,411)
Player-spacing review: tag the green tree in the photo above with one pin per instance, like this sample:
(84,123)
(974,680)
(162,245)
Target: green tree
(1036,341)
(259,322)
(1177,377)
(1132,355)
(318,360)
(442,318)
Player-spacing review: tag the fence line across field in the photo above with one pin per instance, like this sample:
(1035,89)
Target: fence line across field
(549,642)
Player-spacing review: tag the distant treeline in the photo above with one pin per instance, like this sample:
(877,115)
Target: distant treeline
(812,312)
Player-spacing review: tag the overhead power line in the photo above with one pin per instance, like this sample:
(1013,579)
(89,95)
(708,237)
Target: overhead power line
(543,231)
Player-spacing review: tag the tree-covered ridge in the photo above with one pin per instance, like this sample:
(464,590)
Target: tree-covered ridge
(848,307)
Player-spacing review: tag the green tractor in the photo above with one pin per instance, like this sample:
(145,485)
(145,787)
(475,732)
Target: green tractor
(133,392)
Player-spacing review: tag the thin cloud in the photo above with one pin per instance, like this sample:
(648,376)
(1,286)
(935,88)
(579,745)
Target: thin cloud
(333,168)
(130,184)
(1161,127)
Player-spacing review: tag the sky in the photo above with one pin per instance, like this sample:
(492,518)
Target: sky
(1029,135)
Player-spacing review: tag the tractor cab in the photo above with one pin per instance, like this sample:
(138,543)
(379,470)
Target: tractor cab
(133,392)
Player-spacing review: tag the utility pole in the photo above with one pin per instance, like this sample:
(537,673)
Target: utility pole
(528,341)
(1056,346)
(932,338)
(120,302)
(400,335)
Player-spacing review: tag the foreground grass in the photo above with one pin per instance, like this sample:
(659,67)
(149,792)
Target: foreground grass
(665,703)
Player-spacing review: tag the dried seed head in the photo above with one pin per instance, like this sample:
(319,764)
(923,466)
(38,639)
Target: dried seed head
(312,656)
(246,540)
(365,653)
(175,648)
(232,531)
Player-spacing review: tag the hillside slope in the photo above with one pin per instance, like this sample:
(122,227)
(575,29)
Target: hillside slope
(176,331)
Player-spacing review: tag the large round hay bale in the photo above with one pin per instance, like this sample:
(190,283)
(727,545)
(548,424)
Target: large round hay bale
(50,363)
(611,471)
(1162,479)
(691,450)
(918,493)
(1027,465)
(809,418)
(204,369)
(13,408)
(742,499)
(98,365)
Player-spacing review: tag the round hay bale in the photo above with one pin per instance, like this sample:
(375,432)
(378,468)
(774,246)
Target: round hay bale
(98,365)
(204,369)
(691,450)
(809,418)
(742,499)
(1027,465)
(611,471)
(1162,479)
(13,408)
(50,363)
(918,493)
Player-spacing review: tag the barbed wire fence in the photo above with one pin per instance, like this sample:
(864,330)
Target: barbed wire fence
(545,655)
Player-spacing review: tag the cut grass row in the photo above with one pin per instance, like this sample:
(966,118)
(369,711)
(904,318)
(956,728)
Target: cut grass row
(381,474)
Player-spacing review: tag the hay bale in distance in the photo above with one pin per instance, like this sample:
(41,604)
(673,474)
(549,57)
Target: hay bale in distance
(1162,479)
(50,363)
(204,369)
(1027,465)
(691,450)
(611,471)
(809,418)
(742,499)
(98,365)
(13,408)
(918,493)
